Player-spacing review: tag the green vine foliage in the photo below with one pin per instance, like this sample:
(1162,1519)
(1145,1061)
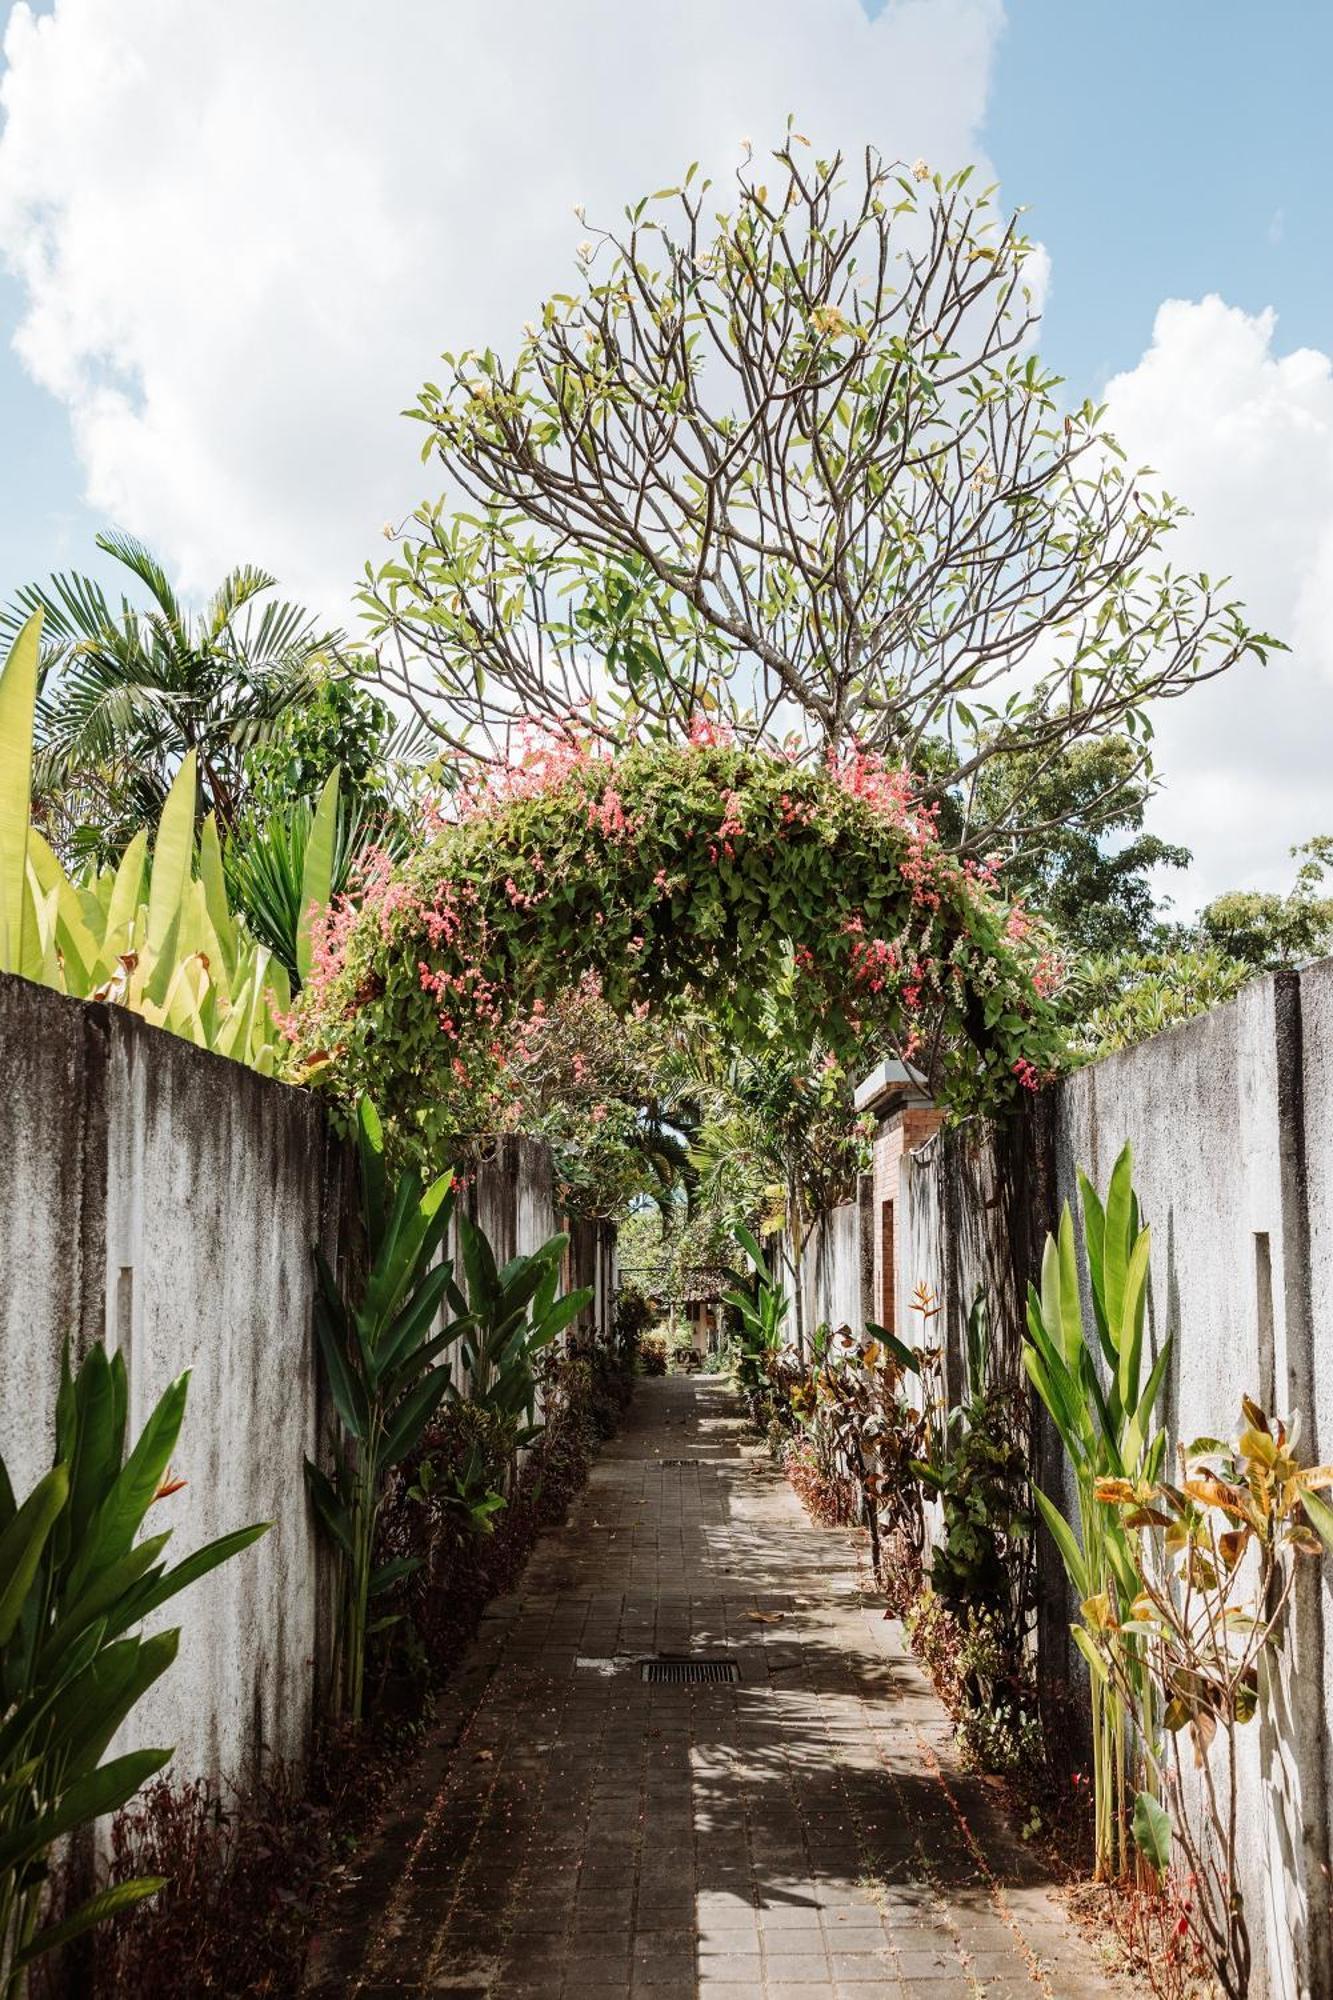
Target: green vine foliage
(698,873)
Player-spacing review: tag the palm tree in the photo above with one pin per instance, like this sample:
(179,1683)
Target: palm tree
(127,691)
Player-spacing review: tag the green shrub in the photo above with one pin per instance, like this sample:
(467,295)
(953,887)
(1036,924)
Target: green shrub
(76,1584)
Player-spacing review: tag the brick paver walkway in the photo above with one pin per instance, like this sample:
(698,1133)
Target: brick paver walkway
(802,1835)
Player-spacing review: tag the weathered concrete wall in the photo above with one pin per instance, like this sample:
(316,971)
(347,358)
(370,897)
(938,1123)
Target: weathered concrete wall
(831,1268)
(219,1181)
(166,1200)
(509,1196)
(1308,1355)
(1231,1121)
(590,1262)
(53,1170)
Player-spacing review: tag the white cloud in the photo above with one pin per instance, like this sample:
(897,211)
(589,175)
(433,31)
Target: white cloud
(246,228)
(1244,434)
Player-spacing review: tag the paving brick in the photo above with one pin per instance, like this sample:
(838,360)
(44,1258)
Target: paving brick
(792,1837)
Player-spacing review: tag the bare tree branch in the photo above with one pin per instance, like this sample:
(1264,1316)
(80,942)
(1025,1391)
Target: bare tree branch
(798,466)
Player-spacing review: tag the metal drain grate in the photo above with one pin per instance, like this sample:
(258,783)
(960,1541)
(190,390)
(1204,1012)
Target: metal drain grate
(680,1461)
(681,1669)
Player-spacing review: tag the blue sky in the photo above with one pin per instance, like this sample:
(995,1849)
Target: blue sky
(1167,149)
(271,276)
(1164,148)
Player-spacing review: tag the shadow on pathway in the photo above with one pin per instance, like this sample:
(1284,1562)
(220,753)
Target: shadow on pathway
(803,1834)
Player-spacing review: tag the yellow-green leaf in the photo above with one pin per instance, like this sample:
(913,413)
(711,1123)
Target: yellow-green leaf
(173,854)
(215,888)
(126,891)
(317,876)
(18,697)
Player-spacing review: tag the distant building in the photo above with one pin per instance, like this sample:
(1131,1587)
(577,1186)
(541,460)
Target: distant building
(702,1309)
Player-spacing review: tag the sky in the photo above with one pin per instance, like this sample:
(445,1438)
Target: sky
(235,234)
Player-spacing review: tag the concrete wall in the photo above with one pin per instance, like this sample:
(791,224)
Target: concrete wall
(167,1201)
(831,1270)
(1231,1121)
(590,1262)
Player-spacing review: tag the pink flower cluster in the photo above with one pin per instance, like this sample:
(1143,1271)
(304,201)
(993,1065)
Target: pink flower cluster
(1048,975)
(608,814)
(706,735)
(875,962)
(886,788)
(797,812)
(539,763)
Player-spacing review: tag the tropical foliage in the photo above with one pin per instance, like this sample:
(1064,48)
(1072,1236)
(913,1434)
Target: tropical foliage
(1107,1429)
(761,1308)
(76,1584)
(515,1312)
(281,875)
(675,875)
(153,934)
(382,1343)
(1213,1563)
(382,1360)
(978,1472)
(129,690)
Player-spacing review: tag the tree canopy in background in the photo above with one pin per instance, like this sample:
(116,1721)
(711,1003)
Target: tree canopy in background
(1086,864)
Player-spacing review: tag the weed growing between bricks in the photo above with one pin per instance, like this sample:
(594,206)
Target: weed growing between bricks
(246,1865)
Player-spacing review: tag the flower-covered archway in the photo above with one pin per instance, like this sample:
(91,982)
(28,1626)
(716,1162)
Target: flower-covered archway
(701,870)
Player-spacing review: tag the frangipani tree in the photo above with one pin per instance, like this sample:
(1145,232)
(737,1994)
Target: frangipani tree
(795,463)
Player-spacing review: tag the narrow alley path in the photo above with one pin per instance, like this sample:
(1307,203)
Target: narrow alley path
(803,1834)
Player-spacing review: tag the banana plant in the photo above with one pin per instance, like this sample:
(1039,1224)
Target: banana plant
(76,1583)
(1092,1385)
(385,1374)
(514,1314)
(158,938)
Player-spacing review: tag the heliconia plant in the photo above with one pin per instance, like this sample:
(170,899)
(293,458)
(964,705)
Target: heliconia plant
(382,1344)
(154,935)
(1093,1386)
(76,1583)
(515,1312)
